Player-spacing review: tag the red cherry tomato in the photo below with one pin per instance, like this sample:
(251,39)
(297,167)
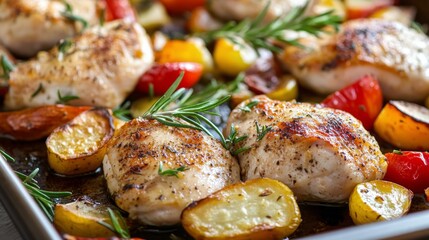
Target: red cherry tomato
(362,99)
(364,8)
(181,6)
(119,9)
(161,76)
(409,169)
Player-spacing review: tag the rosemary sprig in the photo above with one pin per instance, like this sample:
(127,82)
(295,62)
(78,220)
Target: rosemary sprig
(399,152)
(7,66)
(65,99)
(38,90)
(123,111)
(45,199)
(249,106)
(119,226)
(233,139)
(171,172)
(68,13)
(185,113)
(259,35)
(261,131)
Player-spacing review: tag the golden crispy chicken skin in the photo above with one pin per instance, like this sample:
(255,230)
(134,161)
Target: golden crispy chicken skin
(320,153)
(397,55)
(29,26)
(101,67)
(132,162)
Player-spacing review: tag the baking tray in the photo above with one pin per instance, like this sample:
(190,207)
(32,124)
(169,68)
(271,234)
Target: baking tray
(324,222)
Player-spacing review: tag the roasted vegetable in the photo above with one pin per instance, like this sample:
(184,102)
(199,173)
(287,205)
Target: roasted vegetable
(378,200)
(161,76)
(364,8)
(337,6)
(404,125)
(409,169)
(119,9)
(362,99)
(286,90)
(140,106)
(257,209)
(80,218)
(153,17)
(36,123)
(180,6)
(79,146)
(202,21)
(232,58)
(192,50)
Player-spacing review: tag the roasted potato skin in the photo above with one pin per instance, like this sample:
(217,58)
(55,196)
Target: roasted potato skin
(36,123)
(212,218)
(396,125)
(378,200)
(80,218)
(83,162)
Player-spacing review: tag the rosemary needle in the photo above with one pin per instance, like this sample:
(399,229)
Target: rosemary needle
(118,226)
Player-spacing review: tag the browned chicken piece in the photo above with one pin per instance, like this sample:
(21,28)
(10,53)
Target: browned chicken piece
(100,67)
(141,154)
(320,153)
(395,54)
(28,26)
(241,9)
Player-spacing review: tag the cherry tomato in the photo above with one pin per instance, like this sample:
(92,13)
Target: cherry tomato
(409,169)
(161,76)
(264,75)
(362,99)
(181,6)
(119,9)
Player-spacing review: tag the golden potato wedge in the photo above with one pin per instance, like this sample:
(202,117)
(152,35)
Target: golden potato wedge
(378,200)
(257,209)
(80,218)
(79,146)
(404,125)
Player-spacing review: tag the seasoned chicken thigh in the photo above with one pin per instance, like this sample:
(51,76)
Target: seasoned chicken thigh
(132,168)
(397,55)
(101,67)
(320,153)
(242,9)
(28,26)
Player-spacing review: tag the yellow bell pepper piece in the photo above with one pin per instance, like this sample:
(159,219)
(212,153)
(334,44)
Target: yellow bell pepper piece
(286,90)
(191,50)
(231,58)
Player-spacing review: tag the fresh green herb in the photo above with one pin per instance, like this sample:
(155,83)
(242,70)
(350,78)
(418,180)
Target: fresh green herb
(119,226)
(233,139)
(171,172)
(38,90)
(44,198)
(259,35)
(6,155)
(399,152)
(261,131)
(65,99)
(418,27)
(123,111)
(68,13)
(102,17)
(249,106)
(63,47)
(184,114)
(7,66)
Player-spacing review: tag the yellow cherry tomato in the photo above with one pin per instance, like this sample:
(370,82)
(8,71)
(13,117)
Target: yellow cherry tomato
(232,58)
(286,90)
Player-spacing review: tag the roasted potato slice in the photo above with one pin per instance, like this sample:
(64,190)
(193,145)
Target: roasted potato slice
(257,209)
(80,218)
(79,146)
(378,200)
(404,125)
(36,123)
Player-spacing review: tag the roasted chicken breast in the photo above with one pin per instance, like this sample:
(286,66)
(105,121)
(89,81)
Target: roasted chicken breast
(141,153)
(100,67)
(397,55)
(241,9)
(28,26)
(320,153)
